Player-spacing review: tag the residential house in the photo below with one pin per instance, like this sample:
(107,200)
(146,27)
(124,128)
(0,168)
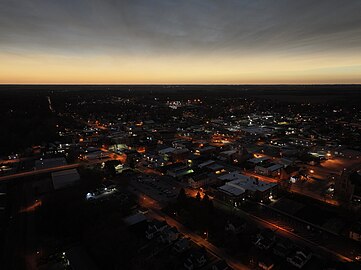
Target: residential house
(355,232)
(299,258)
(265,239)
(283,248)
(266,263)
(168,235)
(181,245)
(196,259)
(221,265)
(154,228)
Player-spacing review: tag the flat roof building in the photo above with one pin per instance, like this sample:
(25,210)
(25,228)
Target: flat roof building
(65,178)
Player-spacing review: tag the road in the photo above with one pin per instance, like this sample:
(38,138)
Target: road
(36,172)
(260,177)
(155,212)
(281,229)
(309,193)
(318,194)
(52,169)
(284,231)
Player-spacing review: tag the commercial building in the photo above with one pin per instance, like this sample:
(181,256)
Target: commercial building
(239,186)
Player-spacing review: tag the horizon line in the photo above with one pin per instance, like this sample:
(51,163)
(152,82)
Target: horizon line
(186,84)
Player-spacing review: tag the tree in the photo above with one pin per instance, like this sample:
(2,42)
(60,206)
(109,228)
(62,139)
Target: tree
(109,167)
(198,196)
(208,204)
(205,199)
(182,197)
(91,178)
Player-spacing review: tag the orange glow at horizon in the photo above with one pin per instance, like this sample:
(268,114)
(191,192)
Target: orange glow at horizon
(178,69)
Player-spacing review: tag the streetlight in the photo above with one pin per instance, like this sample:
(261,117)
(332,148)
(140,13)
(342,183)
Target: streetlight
(206,235)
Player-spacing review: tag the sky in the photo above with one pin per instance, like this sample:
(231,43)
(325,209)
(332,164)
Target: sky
(180,41)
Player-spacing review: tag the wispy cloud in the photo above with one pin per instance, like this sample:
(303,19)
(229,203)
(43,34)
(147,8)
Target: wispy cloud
(143,28)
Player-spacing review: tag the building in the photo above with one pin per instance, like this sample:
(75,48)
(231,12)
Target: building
(221,265)
(169,234)
(179,155)
(166,153)
(266,263)
(355,232)
(201,180)
(65,178)
(196,259)
(283,248)
(49,163)
(232,195)
(240,186)
(207,150)
(92,153)
(269,169)
(234,155)
(154,228)
(134,219)
(299,257)
(181,245)
(180,171)
(206,163)
(258,160)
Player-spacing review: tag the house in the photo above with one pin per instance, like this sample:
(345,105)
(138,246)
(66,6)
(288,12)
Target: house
(283,248)
(265,263)
(168,235)
(196,259)
(264,243)
(181,245)
(265,239)
(299,258)
(221,265)
(267,233)
(154,228)
(235,226)
(355,232)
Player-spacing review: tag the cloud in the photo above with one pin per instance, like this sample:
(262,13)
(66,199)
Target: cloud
(202,28)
